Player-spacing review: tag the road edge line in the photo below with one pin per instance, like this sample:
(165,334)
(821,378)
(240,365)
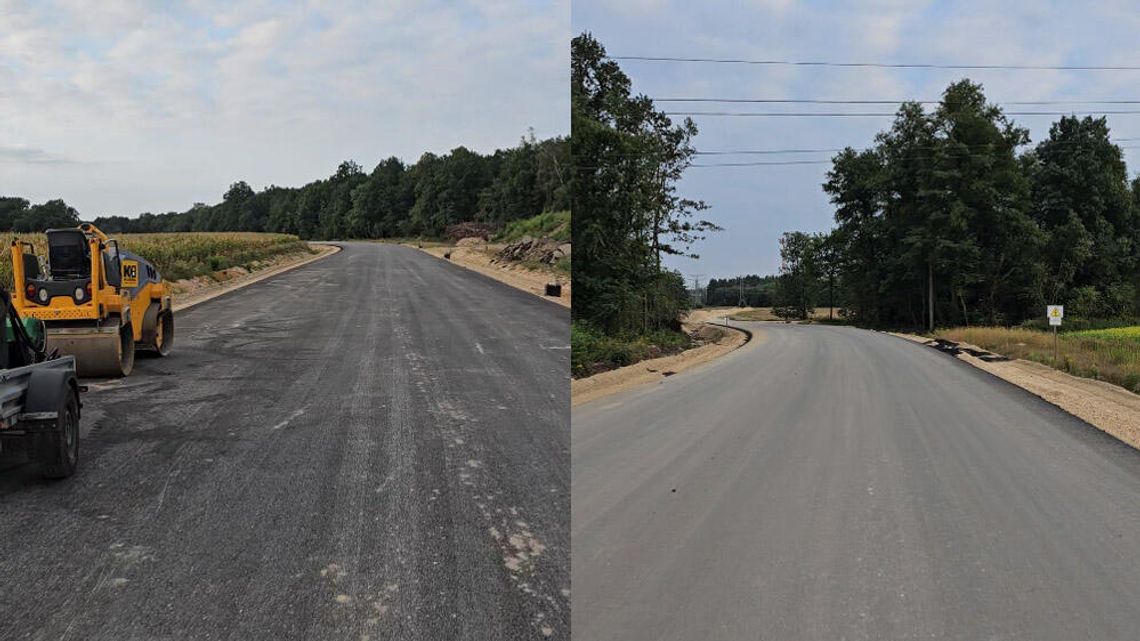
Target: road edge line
(257,277)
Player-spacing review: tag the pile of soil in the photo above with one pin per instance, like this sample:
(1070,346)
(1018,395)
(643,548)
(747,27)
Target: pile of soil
(471,230)
(705,334)
(529,249)
(471,241)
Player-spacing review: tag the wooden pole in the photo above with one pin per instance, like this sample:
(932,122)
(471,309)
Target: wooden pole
(930,291)
(1054,346)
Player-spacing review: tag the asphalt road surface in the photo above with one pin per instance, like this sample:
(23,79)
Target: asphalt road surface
(374,446)
(832,483)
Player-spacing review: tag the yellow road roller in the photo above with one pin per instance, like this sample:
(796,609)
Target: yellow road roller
(98,302)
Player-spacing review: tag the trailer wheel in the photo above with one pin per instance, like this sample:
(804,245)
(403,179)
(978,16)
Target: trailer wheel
(59,455)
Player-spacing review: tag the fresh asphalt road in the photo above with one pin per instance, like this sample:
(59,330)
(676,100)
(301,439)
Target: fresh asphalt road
(832,483)
(373,446)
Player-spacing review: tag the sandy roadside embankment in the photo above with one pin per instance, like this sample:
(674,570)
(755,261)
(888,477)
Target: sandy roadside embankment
(655,370)
(478,258)
(1107,407)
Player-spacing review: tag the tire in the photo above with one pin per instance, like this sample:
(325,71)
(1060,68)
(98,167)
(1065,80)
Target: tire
(164,340)
(59,450)
(158,332)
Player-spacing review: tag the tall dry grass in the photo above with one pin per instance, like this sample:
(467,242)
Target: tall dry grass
(1109,355)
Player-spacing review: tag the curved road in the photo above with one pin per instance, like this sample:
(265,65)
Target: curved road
(833,483)
(373,446)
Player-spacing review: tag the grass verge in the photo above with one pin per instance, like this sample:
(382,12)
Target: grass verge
(1111,355)
(552,224)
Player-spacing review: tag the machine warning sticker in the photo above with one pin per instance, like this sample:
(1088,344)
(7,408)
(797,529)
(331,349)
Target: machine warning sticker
(130,273)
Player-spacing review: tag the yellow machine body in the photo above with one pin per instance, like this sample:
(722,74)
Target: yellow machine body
(97,302)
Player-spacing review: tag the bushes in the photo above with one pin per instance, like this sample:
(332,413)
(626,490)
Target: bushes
(592,351)
(552,224)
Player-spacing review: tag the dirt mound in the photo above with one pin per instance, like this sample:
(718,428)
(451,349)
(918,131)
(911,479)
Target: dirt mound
(471,230)
(709,334)
(538,250)
(471,241)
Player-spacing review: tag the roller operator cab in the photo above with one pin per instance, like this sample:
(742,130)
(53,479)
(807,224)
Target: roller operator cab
(98,303)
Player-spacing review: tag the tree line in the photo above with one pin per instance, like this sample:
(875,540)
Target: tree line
(951,218)
(19,215)
(393,199)
(751,291)
(628,157)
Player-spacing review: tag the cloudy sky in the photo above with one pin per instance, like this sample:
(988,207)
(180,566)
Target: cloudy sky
(756,204)
(126,106)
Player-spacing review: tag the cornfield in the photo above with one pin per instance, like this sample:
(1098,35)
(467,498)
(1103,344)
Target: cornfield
(1127,334)
(183,255)
(1111,355)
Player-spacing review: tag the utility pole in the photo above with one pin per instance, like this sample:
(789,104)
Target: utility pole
(740,298)
(697,289)
(830,295)
(930,291)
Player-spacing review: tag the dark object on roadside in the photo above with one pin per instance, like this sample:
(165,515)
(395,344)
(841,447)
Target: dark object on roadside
(447,255)
(554,289)
(953,348)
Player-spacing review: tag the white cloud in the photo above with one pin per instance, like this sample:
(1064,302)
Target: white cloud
(30,155)
(174,102)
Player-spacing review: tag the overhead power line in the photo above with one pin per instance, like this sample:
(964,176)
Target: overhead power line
(763,163)
(878,114)
(775,163)
(879,65)
(835,150)
(815,101)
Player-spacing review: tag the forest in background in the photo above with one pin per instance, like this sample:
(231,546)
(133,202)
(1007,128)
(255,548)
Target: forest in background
(951,218)
(746,291)
(393,200)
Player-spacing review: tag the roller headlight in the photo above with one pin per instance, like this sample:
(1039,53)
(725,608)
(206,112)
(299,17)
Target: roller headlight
(79,293)
(43,296)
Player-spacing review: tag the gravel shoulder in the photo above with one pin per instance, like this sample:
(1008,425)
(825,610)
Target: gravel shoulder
(1107,407)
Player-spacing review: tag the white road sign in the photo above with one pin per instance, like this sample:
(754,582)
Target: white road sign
(1055,314)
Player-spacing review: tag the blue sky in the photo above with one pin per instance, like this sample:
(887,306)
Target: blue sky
(126,106)
(756,204)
